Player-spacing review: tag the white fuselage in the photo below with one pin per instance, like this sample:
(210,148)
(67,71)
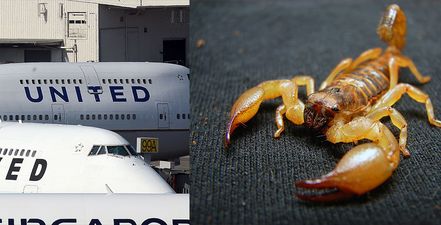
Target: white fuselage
(132,99)
(55,158)
(93,209)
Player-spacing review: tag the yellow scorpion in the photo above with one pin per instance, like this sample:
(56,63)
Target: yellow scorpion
(348,108)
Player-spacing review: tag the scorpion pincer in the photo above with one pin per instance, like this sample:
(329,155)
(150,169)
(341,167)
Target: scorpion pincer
(348,108)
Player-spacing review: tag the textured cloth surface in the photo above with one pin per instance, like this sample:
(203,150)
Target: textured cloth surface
(248,42)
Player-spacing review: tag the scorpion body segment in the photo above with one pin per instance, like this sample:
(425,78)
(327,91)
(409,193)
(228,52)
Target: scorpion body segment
(349,93)
(362,86)
(348,108)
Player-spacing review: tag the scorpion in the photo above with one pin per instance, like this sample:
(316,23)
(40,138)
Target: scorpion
(346,109)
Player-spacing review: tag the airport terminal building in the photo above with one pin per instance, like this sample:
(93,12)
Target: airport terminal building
(94,30)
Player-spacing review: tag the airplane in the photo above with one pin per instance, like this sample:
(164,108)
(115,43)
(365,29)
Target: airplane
(95,209)
(135,99)
(58,158)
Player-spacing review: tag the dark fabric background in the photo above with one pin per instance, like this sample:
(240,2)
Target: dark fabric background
(248,42)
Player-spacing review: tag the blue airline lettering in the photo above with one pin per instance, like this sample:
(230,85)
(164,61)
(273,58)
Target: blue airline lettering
(95,91)
(123,221)
(38,170)
(116,91)
(14,168)
(30,98)
(39,163)
(63,95)
(149,221)
(63,221)
(95,222)
(78,91)
(60,94)
(32,220)
(154,221)
(136,97)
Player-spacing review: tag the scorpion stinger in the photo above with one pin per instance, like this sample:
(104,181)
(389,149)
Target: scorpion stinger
(392,27)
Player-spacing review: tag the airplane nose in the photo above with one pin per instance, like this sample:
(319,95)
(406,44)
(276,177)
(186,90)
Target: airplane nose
(137,177)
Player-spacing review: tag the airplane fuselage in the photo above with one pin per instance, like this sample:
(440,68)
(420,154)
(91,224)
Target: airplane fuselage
(55,158)
(94,209)
(132,99)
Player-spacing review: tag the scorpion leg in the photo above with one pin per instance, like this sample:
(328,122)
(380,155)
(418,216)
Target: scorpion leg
(367,55)
(343,65)
(393,95)
(247,105)
(393,70)
(306,81)
(402,61)
(362,168)
(281,110)
(348,64)
(407,62)
(397,120)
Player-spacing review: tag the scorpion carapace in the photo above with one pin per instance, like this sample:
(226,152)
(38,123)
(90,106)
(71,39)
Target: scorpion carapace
(348,108)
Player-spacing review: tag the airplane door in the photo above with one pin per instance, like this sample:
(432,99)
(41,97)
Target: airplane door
(92,79)
(163,115)
(58,113)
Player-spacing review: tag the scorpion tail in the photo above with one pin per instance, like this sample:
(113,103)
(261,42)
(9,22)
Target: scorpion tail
(392,27)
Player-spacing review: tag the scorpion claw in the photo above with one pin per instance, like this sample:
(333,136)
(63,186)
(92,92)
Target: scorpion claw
(362,169)
(230,128)
(323,183)
(245,107)
(326,197)
(227,140)
(228,134)
(316,183)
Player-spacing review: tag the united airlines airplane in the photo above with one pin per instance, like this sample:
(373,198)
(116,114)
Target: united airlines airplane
(67,161)
(134,99)
(55,158)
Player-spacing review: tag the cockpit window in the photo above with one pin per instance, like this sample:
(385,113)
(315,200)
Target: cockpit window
(94,150)
(131,150)
(102,150)
(122,150)
(117,150)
